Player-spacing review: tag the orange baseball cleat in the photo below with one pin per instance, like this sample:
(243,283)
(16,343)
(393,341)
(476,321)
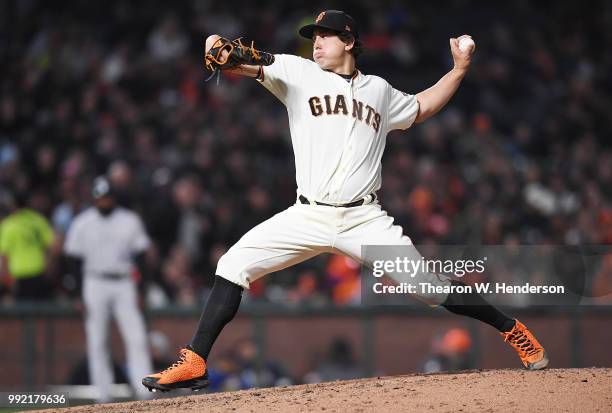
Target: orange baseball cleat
(189,372)
(530,351)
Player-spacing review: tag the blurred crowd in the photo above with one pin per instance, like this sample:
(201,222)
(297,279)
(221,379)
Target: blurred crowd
(520,155)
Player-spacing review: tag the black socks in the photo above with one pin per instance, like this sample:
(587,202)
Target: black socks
(474,306)
(220,309)
(225,297)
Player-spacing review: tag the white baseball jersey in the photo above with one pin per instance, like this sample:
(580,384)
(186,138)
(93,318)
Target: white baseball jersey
(338,128)
(106,244)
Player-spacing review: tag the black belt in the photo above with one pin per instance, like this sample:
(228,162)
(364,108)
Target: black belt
(113,276)
(360,202)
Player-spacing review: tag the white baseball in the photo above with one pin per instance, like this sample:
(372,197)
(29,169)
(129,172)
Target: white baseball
(466,43)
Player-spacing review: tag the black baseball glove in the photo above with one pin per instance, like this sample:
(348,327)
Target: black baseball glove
(238,54)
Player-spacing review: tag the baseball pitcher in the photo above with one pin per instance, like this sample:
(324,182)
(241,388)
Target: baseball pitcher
(339,118)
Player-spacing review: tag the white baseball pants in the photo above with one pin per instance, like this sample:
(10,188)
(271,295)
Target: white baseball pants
(303,231)
(105,298)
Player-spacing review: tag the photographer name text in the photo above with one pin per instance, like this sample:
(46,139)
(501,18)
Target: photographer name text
(481,288)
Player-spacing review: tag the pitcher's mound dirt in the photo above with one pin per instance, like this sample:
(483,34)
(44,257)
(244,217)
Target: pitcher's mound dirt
(558,390)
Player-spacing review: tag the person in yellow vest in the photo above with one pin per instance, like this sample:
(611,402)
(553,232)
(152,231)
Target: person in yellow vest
(25,240)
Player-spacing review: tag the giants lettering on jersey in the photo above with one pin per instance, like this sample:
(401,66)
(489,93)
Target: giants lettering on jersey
(338,105)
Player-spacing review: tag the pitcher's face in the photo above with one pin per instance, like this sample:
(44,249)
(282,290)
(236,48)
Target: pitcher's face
(328,50)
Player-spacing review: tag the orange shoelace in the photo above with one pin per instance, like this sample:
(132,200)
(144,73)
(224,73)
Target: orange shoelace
(209,59)
(521,341)
(254,51)
(178,363)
